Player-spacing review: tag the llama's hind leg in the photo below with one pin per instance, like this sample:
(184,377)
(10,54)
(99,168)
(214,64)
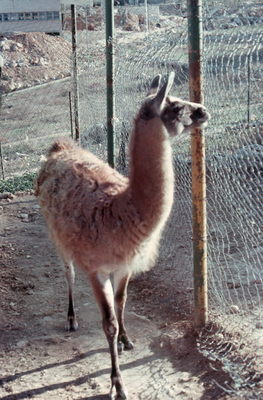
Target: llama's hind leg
(103,291)
(120,281)
(72,324)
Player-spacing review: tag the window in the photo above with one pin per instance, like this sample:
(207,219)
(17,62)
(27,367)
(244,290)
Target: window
(13,17)
(42,15)
(28,15)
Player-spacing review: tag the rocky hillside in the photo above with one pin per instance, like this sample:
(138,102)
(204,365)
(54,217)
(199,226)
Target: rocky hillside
(33,58)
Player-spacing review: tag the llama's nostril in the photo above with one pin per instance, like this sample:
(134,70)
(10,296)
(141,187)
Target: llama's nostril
(199,113)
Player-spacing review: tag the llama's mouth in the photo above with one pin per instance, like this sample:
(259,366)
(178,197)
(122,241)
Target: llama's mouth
(200,116)
(197,123)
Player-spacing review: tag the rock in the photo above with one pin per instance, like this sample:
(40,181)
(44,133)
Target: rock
(20,193)
(34,60)
(22,343)
(20,63)
(131,22)
(16,46)
(5,45)
(11,64)
(24,216)
(42,61)
(234,309)
(11,85)
(259,325)
(13,306)
(7,195)
(185,377)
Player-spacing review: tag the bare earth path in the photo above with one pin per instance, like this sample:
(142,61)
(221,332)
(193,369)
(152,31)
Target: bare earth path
(40,360)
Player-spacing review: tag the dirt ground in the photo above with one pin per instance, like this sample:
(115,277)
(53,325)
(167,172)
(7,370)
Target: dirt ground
(40,360)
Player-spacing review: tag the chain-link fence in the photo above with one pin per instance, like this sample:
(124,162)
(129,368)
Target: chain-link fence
(151,40)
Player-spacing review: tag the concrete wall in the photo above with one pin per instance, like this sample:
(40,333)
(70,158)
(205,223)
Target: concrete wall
(31,26)
(83,3)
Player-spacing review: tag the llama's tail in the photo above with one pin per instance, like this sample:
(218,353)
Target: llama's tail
(61,145)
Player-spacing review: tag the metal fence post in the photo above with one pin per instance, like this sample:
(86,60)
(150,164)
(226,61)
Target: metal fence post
(75,71)
(248,89)
(109,16)
(70,115)
(146,16)
(198,166)
(1,162)
(1,103)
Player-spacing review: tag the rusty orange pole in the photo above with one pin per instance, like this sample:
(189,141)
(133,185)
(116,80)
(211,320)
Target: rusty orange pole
(198,166)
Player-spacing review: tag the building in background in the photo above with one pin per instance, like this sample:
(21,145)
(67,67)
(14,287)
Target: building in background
(30,16)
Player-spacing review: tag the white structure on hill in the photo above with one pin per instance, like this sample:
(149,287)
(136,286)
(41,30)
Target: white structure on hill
(30,16)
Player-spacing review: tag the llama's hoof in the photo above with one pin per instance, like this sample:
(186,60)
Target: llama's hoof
(118,390)
(121,395)
(128,345)
(72,324)
(124,343)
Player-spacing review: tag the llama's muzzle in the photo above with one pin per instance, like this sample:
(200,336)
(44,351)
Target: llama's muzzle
(200,115)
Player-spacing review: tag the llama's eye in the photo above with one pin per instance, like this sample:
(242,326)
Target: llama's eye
(171,113)
(177,109)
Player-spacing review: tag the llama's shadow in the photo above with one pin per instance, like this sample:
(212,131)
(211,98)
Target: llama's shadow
(183,354)
(97,397)
(32,393)
(18,375)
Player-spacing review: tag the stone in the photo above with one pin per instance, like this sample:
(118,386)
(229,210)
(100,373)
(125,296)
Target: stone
(6,195)
(234,309)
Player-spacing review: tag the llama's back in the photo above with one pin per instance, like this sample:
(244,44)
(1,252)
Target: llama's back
(73,174)
(87,206)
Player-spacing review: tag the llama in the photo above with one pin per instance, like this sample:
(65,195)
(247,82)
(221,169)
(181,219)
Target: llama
(107,224)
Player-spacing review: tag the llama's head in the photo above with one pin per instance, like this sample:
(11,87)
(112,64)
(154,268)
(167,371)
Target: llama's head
(178,116)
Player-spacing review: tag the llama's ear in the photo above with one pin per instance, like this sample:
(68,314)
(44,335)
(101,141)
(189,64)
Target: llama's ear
(165,89)
(155,85)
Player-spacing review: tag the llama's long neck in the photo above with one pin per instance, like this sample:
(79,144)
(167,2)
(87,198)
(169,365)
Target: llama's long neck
(151,172)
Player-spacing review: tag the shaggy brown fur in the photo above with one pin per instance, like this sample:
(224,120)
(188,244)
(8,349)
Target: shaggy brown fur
(106,223)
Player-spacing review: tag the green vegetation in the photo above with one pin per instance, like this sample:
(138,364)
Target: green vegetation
(18,183)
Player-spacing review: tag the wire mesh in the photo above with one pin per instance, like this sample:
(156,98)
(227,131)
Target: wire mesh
(232,69)
(233,87)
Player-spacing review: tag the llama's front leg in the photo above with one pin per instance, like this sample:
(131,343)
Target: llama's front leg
(72,324)
(121,281)
(103,290)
